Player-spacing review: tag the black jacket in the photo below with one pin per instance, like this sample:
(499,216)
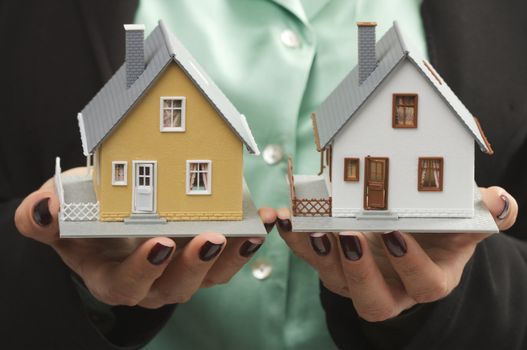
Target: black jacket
(56,54)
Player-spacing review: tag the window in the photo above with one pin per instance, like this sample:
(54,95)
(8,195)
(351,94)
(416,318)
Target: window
(199,176)
(119,173)
(173,114)
(404,111)
(144,176)
(351,169)
(430,174)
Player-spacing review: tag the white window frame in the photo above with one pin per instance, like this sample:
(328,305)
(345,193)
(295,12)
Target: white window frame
(209,178)
(183,100)
(125,181)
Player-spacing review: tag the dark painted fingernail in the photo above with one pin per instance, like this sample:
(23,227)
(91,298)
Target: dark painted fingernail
(320,243)
(248,248)
(351,247)
(209,250)
(159,254)
(506,206)
(395,243)
(269,226)
(41,213)
(284,224)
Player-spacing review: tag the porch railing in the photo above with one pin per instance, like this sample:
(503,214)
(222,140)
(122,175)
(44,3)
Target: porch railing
(306,206)
(73,211)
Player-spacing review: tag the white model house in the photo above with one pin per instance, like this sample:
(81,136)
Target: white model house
(395,141)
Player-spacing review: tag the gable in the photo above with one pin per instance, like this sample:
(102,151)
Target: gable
(438,130)
(139,135)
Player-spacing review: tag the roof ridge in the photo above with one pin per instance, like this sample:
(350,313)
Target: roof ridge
(168,41)
(401,38)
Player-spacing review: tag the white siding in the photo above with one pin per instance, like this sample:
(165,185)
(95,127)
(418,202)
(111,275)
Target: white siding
(439,134)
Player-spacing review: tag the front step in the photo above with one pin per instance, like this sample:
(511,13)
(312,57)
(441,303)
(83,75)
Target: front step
(145,219)
(377,215)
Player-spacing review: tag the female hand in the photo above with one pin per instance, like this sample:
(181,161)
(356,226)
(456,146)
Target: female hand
(135,271)
(385,274)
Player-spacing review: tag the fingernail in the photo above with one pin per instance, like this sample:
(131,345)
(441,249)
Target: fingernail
(505,212)
(269,226)
(351,247)
(320,243)
(395,243)
(284,224)
(250,247)
(159,253)
(41,213)
(209,250)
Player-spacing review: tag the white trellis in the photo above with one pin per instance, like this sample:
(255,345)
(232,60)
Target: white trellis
(73,211)
(80,211)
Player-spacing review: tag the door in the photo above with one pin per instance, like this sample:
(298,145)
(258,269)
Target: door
(144,188)
(376,183)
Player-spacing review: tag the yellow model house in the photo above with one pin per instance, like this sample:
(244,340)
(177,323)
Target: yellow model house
(165,143)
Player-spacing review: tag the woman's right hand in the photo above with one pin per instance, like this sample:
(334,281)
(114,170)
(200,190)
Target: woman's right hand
(135,271)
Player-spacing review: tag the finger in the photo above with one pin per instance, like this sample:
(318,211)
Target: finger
(37,216)
(268,216)
(127,282)
(502,206)
(317,249)
(325,258)
(283,221)
(423,279)
(234,256)
(368,289)
(185,274)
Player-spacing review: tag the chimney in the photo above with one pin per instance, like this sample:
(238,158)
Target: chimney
(135,52)
(367,56)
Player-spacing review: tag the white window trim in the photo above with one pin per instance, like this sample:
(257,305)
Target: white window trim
(125,181)
(209,178)
(183,113)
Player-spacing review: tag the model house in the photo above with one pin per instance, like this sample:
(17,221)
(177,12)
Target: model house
(395,141)
(162,141)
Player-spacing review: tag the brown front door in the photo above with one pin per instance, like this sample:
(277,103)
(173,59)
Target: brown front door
(376,183)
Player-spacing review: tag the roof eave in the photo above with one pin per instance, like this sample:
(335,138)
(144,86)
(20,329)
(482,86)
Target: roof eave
(82,130)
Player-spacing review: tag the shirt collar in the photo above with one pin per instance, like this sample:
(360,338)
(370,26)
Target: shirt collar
(296,8)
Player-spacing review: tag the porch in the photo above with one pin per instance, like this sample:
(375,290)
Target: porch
(309,194)
(76,195)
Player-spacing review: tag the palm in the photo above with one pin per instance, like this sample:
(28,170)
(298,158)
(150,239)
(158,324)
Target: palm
(449,251)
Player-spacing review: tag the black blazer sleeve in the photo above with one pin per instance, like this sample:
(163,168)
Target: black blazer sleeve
(486,311)
(41,307)
(55,56)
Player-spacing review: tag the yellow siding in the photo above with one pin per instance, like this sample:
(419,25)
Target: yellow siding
(207,137)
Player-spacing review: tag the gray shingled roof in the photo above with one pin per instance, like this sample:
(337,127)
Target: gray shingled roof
(347,98)
(113,102)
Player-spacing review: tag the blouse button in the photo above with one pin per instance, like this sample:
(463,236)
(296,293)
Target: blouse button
(290,39)
(273,154)
(261,269)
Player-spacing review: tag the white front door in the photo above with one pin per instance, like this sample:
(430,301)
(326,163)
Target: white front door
(144,187)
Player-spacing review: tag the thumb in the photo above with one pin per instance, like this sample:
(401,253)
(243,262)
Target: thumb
(501,205)
(37,216)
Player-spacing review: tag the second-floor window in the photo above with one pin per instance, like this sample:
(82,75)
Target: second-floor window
(404,111)
(173,114)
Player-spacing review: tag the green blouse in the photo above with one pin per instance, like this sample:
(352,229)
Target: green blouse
(276,60)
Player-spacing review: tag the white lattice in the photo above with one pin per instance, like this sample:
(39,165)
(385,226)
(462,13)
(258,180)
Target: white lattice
(80,211)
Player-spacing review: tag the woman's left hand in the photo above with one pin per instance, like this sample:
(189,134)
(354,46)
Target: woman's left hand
(385,274)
